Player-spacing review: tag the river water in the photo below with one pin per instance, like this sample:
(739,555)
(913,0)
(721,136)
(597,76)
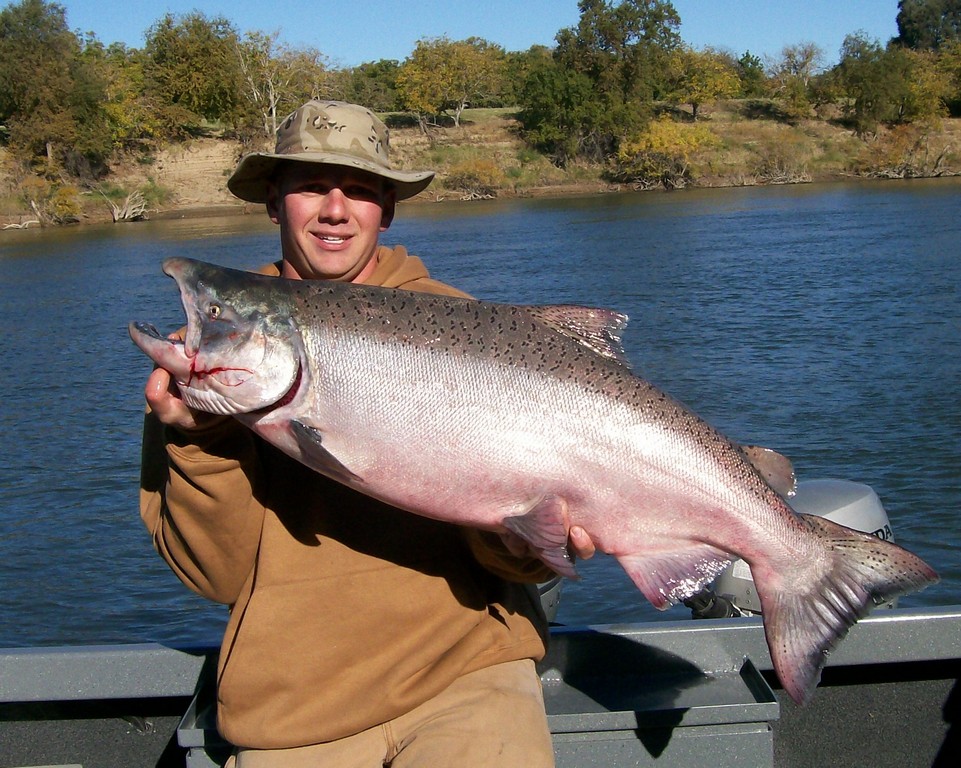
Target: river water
(824,321)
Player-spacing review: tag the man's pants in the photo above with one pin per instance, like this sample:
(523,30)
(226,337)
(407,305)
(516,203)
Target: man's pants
(493,717)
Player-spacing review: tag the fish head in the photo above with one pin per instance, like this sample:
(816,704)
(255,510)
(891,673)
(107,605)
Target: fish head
(240,352)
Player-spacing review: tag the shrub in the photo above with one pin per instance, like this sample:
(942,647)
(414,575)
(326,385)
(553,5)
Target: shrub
(661,155)
(475,179)
(52,201)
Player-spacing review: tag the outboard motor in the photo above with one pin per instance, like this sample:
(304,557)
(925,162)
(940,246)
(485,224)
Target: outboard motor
(550,595)
(854,505)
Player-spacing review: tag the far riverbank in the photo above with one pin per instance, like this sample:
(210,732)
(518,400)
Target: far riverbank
(485,158)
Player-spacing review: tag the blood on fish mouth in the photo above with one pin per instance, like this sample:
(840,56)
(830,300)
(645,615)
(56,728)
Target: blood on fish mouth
(200,375)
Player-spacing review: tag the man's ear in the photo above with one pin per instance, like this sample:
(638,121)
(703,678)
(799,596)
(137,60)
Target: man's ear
(390,205)
(273,202)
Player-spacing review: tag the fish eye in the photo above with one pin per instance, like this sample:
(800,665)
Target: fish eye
(214,311)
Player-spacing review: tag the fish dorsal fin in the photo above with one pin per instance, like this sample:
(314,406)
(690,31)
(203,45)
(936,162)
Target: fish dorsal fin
(774,467)
(597,329)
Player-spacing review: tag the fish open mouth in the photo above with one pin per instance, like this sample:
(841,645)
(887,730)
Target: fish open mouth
(165,352)
(170,353)
(150,330)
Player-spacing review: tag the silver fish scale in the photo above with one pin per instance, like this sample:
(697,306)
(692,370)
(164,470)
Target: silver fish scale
(507,334)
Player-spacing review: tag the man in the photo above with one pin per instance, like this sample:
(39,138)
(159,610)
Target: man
(359,635)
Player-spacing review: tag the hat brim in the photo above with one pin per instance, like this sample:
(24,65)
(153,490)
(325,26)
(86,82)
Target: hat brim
(249,180)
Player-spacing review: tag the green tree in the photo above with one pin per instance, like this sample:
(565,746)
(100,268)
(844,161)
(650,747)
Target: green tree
(50,96)
(927,25)
(442,75)
(373,84)
(871,88)
(701,77)
(624,47)
(888,85)
(606,71)
(750,71)
(948,63)
(192,71)
(131,123)
(517,67)
(559,110)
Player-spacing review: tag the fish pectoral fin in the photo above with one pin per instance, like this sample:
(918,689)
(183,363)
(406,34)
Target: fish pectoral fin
(317,457)
(667,578)
(545,528)
(776,468)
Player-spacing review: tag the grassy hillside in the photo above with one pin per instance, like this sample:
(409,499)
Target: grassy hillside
(484,157)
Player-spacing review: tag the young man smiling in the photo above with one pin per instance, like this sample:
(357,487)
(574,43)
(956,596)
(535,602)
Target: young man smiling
(329,226)
(359,635)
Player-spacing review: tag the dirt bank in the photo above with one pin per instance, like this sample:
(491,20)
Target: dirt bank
(190,179)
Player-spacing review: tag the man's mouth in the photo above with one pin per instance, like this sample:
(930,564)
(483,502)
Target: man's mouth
(332,239)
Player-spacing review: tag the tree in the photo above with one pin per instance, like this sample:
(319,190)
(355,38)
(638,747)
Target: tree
(948,64)
(50,98)
(928,88)
(191,70)
(750,71)
(605,73)
(702,77)
(559,110)
(888,85)
(928,25)
(517,67)
(445,76)
(872,81)
(373,84)
(129,119)
(277,78)
(623,47)
(792,77)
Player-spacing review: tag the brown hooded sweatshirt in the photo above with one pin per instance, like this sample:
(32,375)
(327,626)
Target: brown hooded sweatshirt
(344,612)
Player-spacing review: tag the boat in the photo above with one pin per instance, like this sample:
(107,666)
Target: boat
(690,693)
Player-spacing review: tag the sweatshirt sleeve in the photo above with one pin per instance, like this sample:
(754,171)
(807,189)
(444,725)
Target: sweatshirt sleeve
(199,500)
(491,552)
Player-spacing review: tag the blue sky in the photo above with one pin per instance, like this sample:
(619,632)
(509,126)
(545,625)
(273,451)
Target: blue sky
(350,33)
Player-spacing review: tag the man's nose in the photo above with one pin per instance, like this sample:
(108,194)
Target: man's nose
(335,205)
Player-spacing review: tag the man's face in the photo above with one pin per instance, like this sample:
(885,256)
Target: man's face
(330,219)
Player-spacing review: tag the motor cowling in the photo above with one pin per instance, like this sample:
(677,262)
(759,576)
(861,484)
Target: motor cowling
(847,503)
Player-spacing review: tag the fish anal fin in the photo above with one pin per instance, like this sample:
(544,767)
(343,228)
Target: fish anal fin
(597,329)
(776,469)
(545,528)
(317,457)
(668,577)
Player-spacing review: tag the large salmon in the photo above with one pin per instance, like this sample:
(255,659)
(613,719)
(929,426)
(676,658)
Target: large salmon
(504,417)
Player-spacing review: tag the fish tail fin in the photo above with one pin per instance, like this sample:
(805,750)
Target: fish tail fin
(803,626)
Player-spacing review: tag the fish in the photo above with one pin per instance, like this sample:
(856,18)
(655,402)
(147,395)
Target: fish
(523,420)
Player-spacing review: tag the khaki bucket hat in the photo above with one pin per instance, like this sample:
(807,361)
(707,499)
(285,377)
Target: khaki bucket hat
(327,133)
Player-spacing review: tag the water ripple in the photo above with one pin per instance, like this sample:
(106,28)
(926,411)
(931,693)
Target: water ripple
(822,321)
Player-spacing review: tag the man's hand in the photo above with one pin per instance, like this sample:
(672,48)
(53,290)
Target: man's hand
(164,400)
(579,543)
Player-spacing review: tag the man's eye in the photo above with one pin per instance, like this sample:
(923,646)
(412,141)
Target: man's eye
(361,193)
